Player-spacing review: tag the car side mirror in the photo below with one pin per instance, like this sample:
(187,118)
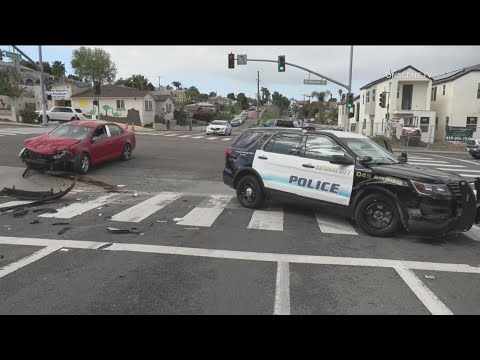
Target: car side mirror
(366,159)
(341,160)
(93,139)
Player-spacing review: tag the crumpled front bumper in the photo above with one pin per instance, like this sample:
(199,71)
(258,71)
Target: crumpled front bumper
(43,161)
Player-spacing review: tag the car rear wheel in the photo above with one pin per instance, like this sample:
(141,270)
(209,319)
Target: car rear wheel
(127,152)
(249,192)
(82,164)
(377,215)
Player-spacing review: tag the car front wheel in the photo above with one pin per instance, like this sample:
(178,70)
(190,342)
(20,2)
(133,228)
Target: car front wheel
(377,215)
(82,164)
(249,192)
(127,152)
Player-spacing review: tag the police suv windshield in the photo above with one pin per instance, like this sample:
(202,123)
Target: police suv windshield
(367,147)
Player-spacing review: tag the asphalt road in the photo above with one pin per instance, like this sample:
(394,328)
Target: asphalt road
(195,250)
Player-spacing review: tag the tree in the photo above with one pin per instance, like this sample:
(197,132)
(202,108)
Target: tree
(58,69)
(213,93)
(92,65)
(193,93)
(137,81)
(231,96)
(321,99)
(177,84)
(340,92)
(203,97)
(242,99)
(265,95)
(73,77)
(11,83)
(168,87)
(281,101)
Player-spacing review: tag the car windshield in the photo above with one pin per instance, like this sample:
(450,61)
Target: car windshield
(72,132)
(219,122)
(367,147)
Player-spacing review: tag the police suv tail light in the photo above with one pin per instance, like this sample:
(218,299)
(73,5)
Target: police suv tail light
(431,189)
(228,152)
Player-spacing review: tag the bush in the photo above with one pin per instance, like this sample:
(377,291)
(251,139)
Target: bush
(28,116)
(150,126)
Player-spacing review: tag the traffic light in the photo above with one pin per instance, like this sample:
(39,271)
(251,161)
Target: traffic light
(383,99)
(281,63)
(231,61)
(349,101)
(351,113)
(97,88)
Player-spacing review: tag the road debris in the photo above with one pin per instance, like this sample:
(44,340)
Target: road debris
(63,230)
(100,214)
(161,221)
(191,228)
(99,208)
(123,231)
(79,199)
(121,185)
(63,249)
(135,195)
(430,277)
(35,222)
(19,212)
(61,223)
(45,210)
(177,219)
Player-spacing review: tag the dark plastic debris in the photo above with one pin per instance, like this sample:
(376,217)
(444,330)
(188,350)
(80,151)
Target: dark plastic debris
(35,222)
(63,230)
(61,223)
(20,212)
(123,231)
(45,210)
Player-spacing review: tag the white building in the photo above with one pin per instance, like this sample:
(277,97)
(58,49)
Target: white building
(119,102)
(165,106)
(408,93)
(455,98)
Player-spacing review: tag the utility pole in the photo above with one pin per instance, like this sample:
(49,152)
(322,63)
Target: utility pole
(258,97)
(42,85)
(159,82)
(350,84)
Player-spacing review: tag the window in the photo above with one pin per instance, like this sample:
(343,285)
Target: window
(444,89)
(78,111)
(65,110)
(148,105)
(120,104)
(100,133)
(398,91)
(287,144)
(114,129)
(472,123)
(55,109)
(478,91)
(436,123)
(247,139)
(321,148)
(373,95)
(363,99)
(434,93)
(424,124)
(364,124)
(408,122)
(368,97)
(447,120)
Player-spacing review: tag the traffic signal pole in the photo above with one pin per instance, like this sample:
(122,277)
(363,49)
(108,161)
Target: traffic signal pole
(42,85)
(350,84)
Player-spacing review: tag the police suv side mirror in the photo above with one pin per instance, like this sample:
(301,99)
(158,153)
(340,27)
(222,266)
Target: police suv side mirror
(340,160)
(366,159)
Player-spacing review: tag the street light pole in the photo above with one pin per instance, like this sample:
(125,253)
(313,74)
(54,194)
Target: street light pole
(258,97)
(42,85)
(349,85)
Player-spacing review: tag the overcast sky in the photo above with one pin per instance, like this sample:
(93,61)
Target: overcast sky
(206,66)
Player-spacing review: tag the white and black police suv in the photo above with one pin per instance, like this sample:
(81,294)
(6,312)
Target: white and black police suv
(353,174)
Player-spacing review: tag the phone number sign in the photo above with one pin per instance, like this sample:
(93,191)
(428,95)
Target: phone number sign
(458,133)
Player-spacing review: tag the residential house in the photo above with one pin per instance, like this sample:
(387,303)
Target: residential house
(165,106)
(123,103)
(455,97)
(219,100)
(199,107)
(408,94)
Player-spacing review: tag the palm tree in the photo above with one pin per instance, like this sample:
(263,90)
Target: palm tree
(58,69)
(177,84)
(321,96)
(340,92)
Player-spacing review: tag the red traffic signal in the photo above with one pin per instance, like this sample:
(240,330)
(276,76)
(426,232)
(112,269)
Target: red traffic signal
(231,61)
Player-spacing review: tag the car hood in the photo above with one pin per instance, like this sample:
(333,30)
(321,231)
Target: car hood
(218,126)
(416,172)
(48,144)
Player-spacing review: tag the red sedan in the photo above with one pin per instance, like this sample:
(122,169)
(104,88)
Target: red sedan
(78,145)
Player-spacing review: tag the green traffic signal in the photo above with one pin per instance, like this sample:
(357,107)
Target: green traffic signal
(281,68)
(349,105)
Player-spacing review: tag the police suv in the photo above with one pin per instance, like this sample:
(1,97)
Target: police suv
(351,173)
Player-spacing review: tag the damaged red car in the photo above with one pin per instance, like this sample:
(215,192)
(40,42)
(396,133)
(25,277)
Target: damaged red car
(78,145)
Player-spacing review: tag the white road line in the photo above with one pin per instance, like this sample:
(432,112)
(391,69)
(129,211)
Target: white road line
(467,175)
(282,290)
(432,164)
(424,294)
(78,208)
(146,208)
(206,212)
(198,137)
(171,135)
(332,225)
(467,161)
(431,161)
(419,158)
(473,233)
(185,136)
(14,203)
(7,133)
(28,259)
(245,255)
(212,138)
(226,139)
(266,220)
(464,170)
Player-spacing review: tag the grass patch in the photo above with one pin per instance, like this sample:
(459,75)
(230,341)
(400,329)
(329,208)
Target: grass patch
(237,110)
(267,115)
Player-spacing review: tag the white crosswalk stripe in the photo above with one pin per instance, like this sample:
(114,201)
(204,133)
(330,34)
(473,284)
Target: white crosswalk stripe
(266,220)
(226,139)
(206,212)
(146,208)
(14,203)
(473,233)
(184,136)
(431,164)
(79,208)
(198,137)
(212,138)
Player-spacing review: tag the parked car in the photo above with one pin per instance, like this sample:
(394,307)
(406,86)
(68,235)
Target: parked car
(279,123)
(219,127)
(62,113)
(78,145)
(473,147)
(236,122)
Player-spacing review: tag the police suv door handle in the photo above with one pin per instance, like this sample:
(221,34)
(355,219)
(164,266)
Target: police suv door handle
(308,166)
(263,157)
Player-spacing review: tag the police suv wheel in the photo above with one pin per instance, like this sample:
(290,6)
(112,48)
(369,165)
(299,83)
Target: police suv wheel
(249,192)
(377,215)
